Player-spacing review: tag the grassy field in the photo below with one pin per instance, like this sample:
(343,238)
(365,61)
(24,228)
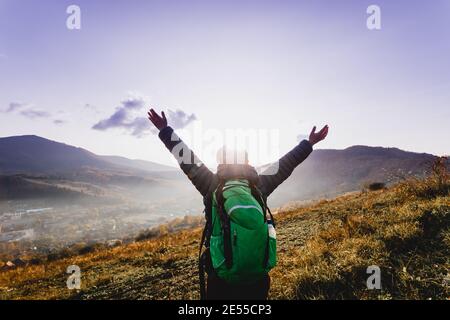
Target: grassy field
(323,252)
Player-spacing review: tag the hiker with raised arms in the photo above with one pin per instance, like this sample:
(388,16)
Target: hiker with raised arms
(239,235)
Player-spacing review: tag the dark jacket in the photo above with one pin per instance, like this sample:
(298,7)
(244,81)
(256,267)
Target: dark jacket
(206,181)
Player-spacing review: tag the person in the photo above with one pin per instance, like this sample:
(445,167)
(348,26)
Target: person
(207,183)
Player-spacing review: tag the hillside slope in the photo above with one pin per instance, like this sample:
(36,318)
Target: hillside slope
(328,173)
(33,154)
(324,250)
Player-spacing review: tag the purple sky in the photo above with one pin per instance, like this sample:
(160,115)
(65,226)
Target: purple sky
(283,65)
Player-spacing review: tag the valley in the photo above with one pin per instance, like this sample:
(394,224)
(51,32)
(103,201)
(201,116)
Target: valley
(53,195)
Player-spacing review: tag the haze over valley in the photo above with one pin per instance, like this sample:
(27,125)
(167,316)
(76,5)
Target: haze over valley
(53,195)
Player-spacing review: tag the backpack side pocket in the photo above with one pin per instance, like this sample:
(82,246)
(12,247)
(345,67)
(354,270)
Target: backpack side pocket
(272,261)
(216,250)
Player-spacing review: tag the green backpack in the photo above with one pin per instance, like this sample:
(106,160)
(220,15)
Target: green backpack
(242,243)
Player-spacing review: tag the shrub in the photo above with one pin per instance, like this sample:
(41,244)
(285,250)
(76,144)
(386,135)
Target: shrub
(437,184)
(91,248)
(377,186)
(373,186)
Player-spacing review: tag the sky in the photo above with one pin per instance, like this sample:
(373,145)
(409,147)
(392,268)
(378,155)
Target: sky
(278,67)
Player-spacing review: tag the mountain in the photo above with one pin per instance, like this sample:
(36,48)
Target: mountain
(33,167)
(36,155)
(327,173)
(138,164)
(31,154)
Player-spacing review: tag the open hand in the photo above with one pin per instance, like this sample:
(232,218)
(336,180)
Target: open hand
(315,137)
(160,122)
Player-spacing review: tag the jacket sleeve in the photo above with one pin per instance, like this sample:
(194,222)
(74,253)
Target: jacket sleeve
(272,177)
(201,177)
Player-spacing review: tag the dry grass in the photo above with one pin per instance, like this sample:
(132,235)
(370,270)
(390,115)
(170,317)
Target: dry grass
(324,250)
(405,231)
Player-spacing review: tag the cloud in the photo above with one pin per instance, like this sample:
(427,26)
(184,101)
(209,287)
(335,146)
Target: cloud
(13,106)
(134,101)
(123,117)
(33,114)
(118,119)
(28,110)
(126,116)
(140,127)
(178,119)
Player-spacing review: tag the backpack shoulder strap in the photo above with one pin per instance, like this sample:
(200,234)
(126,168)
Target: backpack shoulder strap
(256,193)
(201,271)
(225,224)
(205,240)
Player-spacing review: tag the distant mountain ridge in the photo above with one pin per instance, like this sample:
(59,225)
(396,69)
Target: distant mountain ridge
(138,164)
(328,172)
(32,154)
(325,173)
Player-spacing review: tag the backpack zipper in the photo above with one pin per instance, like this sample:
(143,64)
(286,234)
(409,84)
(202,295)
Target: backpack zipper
(235,238)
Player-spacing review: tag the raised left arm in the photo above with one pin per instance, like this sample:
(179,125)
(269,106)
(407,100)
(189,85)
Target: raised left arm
(201,177)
